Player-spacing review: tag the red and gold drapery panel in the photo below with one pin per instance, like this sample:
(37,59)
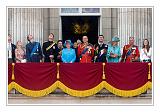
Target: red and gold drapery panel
(127,79)
(34,79)
(10,76)
(80,79)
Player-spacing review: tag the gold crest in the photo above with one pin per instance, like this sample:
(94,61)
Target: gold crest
(80,29)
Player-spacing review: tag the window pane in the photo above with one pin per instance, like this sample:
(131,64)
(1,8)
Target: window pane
(90,10)
(69,10)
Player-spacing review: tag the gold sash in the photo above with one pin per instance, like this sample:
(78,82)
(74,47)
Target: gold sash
(50,46)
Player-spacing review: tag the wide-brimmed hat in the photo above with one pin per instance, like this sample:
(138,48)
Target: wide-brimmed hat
(115,39)
(68,41)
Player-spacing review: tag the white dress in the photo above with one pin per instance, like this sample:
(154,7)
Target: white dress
(147,55)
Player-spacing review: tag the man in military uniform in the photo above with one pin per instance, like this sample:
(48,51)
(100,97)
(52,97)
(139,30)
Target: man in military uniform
(130,52)
(11,50)
(49,49)
(33,50)
(85,51)
(100,50)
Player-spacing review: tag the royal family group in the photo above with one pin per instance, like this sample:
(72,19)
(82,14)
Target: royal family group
(79,51)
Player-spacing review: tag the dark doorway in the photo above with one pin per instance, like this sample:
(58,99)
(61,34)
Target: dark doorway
(74,27)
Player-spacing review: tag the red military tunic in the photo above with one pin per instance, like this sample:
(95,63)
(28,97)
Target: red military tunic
(130,53)
(88,55)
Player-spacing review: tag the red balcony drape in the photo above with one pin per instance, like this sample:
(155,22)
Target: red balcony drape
(81,76)
(126,76)
(80,79)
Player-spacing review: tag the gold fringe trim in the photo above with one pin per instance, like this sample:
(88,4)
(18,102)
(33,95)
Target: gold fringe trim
(83,93)
(149,85)
(32,93)
(126,93)
(10,86)
(77,93)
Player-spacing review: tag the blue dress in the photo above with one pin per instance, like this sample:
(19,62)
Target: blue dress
(68,55)
(114,50)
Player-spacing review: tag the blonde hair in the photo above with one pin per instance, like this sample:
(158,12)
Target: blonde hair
(17,44)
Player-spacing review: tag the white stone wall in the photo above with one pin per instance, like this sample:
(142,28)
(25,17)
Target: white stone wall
(123,22)
(54,20)
(135,22)
(106,23)
(24,21)
(109,23)
(46,24)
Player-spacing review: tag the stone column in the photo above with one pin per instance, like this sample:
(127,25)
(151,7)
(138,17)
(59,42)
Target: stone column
(114,22)
(106,23)
(54,20)
(135,22)
(46,24)
(109,23)
(24,21)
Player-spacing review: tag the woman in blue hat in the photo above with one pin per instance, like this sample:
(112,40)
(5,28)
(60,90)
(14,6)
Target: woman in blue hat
(114,52)
(68,54)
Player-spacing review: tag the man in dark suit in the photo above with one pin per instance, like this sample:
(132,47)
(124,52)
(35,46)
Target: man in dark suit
(100,50)
(49,49)
(33,50)
(59,49)
(11,50)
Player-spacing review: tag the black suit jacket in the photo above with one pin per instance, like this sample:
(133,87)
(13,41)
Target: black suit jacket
(101,58)
(51,51)
(13,52)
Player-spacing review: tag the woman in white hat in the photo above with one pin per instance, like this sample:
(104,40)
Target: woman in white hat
(114,52)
